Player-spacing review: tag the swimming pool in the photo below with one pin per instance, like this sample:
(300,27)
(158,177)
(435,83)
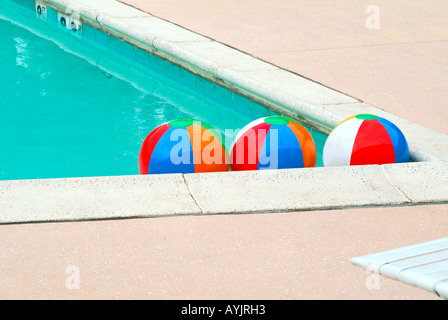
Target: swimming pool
(74,106)
(221,74)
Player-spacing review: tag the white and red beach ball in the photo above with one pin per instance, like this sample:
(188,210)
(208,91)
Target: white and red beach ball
(365,139)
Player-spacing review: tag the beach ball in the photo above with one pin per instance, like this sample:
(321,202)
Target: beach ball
(365,139)
(274,142)
(183,146)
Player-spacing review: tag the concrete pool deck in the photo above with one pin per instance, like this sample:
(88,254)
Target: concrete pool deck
(245,256)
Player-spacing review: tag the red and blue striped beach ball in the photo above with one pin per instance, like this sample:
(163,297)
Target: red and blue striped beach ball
(274,142)
(183,146)
(365,139)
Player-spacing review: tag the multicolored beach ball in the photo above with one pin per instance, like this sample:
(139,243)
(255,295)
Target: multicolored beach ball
(365,139)
(274,142)
(183,146)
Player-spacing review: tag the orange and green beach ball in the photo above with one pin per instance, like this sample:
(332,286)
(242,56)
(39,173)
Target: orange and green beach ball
(183,146)
(274,142)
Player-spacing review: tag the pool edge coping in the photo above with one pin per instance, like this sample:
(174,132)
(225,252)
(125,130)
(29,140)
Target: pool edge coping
(324,116)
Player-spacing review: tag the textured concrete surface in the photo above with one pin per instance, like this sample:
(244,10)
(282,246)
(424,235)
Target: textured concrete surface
(94,198)
(417,186)
(140,196)
(302,255)
(290,190)
(399,67)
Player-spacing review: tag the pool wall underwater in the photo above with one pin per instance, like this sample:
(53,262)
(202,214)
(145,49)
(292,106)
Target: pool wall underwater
(70,199)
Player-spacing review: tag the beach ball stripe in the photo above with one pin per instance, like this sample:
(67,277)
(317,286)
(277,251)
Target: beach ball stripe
(293,143)
(365,139)
(245,140)
(149,145)
(193,137)
(289,149)
(399,143)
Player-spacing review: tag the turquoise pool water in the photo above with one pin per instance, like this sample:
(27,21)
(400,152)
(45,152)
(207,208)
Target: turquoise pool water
(71,107)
